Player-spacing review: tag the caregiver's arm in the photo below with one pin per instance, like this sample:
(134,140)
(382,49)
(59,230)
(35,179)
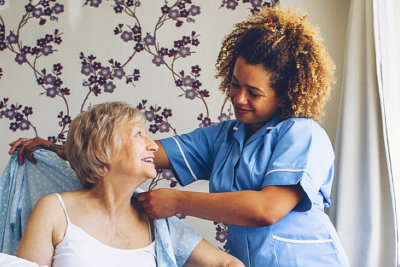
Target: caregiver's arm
(207,255)
(26,147)
(37,240)
(245,208)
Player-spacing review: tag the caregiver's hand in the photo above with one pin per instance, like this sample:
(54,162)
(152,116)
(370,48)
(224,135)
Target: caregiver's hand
(160,203)
(27,146)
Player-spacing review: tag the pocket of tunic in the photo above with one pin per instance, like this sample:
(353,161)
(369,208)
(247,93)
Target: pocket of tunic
(301,252)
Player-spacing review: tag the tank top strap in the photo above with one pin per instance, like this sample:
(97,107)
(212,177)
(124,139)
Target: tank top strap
(63,206)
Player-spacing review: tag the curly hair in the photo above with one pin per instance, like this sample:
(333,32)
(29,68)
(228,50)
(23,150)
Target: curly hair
(288,47)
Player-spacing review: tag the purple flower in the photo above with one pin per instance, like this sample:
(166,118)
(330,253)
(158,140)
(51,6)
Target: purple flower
(167,174)
(47,50)
(149,114)
(29,7)
(173,14)
(3,46)
(184,51)
(102,81)
(164,127)
(196,69)
(109,87)
(178,43)
(256,3)
(37,12)
(149,40)
(223,117)
(231,4)
(96,65)
(187,81)
(95,3)
(136,29)
(195,42)
(158,60)
(163,51)
(119,73)
(66,120)
(24,125)
(196,84)
(52,139)
(51,92)
(186,40)
(221,236)
(105,72)
(190,94)
(178,82)
(119,2)
(10,114)
(13,126)
(206,122)
(194,10)
(137,37)
(86,69)
(184,13)
(26,49)
(57,40)
(139,47)
(41,42)
(20,58)
(167,113)
(12,38)
(153,128)
(118,9)
(165,9)
(48,38)
(158,119)
(27,111)
(127,36)
(181,5)
(92,79)
(40,81)
(57,67)
(49,79)
(58,8)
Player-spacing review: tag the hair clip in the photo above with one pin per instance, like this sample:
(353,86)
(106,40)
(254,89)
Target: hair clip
(274,26)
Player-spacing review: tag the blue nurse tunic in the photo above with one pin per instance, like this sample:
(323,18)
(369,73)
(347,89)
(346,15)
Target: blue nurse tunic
(289,152)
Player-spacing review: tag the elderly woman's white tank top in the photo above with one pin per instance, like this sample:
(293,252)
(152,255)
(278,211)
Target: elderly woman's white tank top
(78,248)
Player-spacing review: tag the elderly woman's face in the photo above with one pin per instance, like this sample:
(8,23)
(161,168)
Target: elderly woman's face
(136,156)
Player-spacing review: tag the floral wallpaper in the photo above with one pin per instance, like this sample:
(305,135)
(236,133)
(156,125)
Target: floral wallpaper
(57,58)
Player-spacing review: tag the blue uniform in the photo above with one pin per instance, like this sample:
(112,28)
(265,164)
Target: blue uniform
(289,152)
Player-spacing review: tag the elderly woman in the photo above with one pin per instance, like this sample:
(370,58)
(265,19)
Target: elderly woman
(101,225)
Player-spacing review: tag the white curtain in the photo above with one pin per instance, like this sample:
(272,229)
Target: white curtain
(364,203)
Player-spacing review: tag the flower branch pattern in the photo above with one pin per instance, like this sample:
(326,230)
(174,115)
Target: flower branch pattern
(101,76)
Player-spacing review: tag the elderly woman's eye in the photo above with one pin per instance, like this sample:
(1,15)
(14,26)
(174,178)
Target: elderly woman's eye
(138,134)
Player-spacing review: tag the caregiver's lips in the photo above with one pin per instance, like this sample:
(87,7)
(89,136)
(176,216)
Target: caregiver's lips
(241,111)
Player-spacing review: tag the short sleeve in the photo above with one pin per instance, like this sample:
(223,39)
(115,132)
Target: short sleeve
(303,155)
(192,155)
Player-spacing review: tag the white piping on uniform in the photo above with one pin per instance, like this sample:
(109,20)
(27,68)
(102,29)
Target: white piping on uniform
(184,158)
(302,241)
(270,128)
(293,170)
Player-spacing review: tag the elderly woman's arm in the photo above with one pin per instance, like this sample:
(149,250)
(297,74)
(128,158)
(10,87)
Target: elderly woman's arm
(37,240)
(206,254)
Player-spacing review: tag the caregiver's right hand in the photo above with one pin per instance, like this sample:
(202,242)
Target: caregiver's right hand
(27,146)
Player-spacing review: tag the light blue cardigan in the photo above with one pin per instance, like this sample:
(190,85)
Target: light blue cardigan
(21,186)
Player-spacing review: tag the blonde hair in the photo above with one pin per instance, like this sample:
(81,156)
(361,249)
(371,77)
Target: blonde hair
(93,139)
(286,45)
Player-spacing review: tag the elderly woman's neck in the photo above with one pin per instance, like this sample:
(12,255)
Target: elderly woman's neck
(114,197)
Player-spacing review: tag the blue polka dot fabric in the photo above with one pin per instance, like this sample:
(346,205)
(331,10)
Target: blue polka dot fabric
(21,186)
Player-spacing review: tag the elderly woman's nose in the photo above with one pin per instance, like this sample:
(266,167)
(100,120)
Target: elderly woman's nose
(151,145)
